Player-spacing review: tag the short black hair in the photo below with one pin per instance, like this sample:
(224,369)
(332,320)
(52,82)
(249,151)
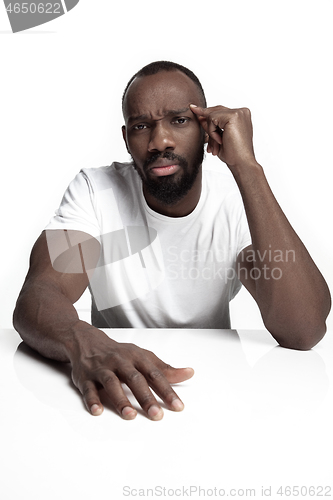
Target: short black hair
(157,66)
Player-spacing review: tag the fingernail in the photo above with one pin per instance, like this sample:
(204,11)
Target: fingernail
(155,413)
(193,106)
(96,410)
(177,405)
(128,413)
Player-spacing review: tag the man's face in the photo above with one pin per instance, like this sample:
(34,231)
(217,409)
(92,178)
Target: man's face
(162,134)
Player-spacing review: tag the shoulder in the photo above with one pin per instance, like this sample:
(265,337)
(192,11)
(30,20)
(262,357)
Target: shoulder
(108,174)
(111,176)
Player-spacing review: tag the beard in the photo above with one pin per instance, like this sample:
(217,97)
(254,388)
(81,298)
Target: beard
(169,189)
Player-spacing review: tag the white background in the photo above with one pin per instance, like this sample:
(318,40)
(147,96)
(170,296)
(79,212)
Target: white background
(61,86)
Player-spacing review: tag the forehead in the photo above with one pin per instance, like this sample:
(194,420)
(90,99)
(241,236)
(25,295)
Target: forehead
(156,94)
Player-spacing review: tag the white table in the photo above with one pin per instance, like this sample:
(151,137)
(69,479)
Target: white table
(256,416)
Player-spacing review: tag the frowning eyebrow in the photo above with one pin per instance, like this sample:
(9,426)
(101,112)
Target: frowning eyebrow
(167,113)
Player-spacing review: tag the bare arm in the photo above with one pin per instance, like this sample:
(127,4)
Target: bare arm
(48,322)
(292,295)
(44,314)
(278,271)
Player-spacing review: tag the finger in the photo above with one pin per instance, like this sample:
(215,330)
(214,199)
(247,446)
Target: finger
(209,124)
(203,122)
(140,388)
(116,394)
(216,148)
(199,111)
(212,128)
(209,145)
(173,375)
(161,386)
(200,116)
(91,398)
(211,148)
(177,375)
(214,131)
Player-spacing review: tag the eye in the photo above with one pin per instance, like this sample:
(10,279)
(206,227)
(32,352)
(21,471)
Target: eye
(140,126)
(180,120)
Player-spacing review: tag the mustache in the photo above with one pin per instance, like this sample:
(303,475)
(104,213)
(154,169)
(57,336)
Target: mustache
(168,156)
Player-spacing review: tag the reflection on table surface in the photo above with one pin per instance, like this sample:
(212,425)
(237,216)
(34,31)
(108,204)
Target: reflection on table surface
(250,404)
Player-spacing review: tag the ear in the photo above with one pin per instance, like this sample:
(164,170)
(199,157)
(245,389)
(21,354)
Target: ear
(123,129)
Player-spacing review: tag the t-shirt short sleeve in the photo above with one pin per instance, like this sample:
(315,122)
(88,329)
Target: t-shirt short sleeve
(77,210)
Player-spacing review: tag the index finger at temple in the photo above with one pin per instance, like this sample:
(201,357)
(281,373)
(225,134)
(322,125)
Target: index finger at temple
(198,110)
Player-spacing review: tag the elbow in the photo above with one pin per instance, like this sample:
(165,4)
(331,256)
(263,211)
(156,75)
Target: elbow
(16,318)
(19,315)
(302,338)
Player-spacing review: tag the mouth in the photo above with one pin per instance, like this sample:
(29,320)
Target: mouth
(167,170)
(164,167)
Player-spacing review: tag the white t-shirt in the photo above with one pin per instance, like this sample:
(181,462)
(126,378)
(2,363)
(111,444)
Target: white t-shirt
(157,271)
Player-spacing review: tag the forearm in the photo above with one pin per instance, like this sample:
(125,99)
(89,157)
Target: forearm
(292,295)
(47,321)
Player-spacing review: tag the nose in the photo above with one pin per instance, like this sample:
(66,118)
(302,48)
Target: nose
(161,138)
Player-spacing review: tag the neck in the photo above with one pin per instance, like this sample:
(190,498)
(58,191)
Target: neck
(183,207)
